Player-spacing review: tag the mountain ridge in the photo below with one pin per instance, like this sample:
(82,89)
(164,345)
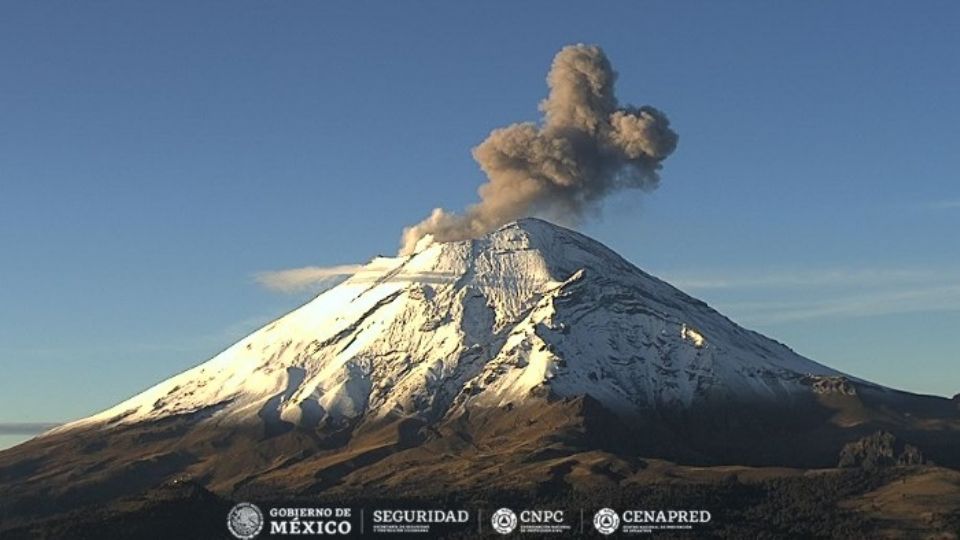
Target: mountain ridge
(498,297)
(532,349)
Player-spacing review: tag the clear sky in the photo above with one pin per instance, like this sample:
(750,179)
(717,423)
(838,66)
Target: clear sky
(155,156)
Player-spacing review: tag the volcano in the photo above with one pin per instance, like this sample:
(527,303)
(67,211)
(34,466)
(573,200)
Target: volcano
(532,349)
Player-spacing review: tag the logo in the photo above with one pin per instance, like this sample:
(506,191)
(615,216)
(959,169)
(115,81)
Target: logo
(245,521)
(410,521)
(310,521)
(648,521)
(504,521)
(606,521)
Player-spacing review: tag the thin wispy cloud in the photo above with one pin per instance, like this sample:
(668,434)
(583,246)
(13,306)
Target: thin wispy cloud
(306,278)
(826,292)
(788,296)
(25,428)
(946,204)
(830,277)
(318,278)
(916,300)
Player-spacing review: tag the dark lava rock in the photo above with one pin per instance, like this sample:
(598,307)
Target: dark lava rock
(831,385)
(911,455)
(879,450)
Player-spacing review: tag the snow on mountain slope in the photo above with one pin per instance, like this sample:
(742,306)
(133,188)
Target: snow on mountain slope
(527,310)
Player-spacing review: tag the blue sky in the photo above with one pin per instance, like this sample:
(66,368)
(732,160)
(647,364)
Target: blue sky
(155,157)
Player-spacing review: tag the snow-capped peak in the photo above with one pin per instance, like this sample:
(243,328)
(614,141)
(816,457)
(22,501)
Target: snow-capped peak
(527,311)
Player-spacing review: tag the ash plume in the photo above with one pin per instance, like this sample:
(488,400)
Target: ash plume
(586,148)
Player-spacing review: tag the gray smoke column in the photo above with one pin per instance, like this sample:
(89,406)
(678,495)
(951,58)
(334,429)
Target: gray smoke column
(586,148)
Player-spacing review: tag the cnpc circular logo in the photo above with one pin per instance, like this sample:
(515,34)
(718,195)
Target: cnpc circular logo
(245,521)
(606,521)
(504,521)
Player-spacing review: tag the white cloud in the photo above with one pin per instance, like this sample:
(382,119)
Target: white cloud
(301,279)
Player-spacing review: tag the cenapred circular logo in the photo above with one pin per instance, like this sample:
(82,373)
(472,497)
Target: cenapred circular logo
(606,521)
(245,521)
(504,521)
